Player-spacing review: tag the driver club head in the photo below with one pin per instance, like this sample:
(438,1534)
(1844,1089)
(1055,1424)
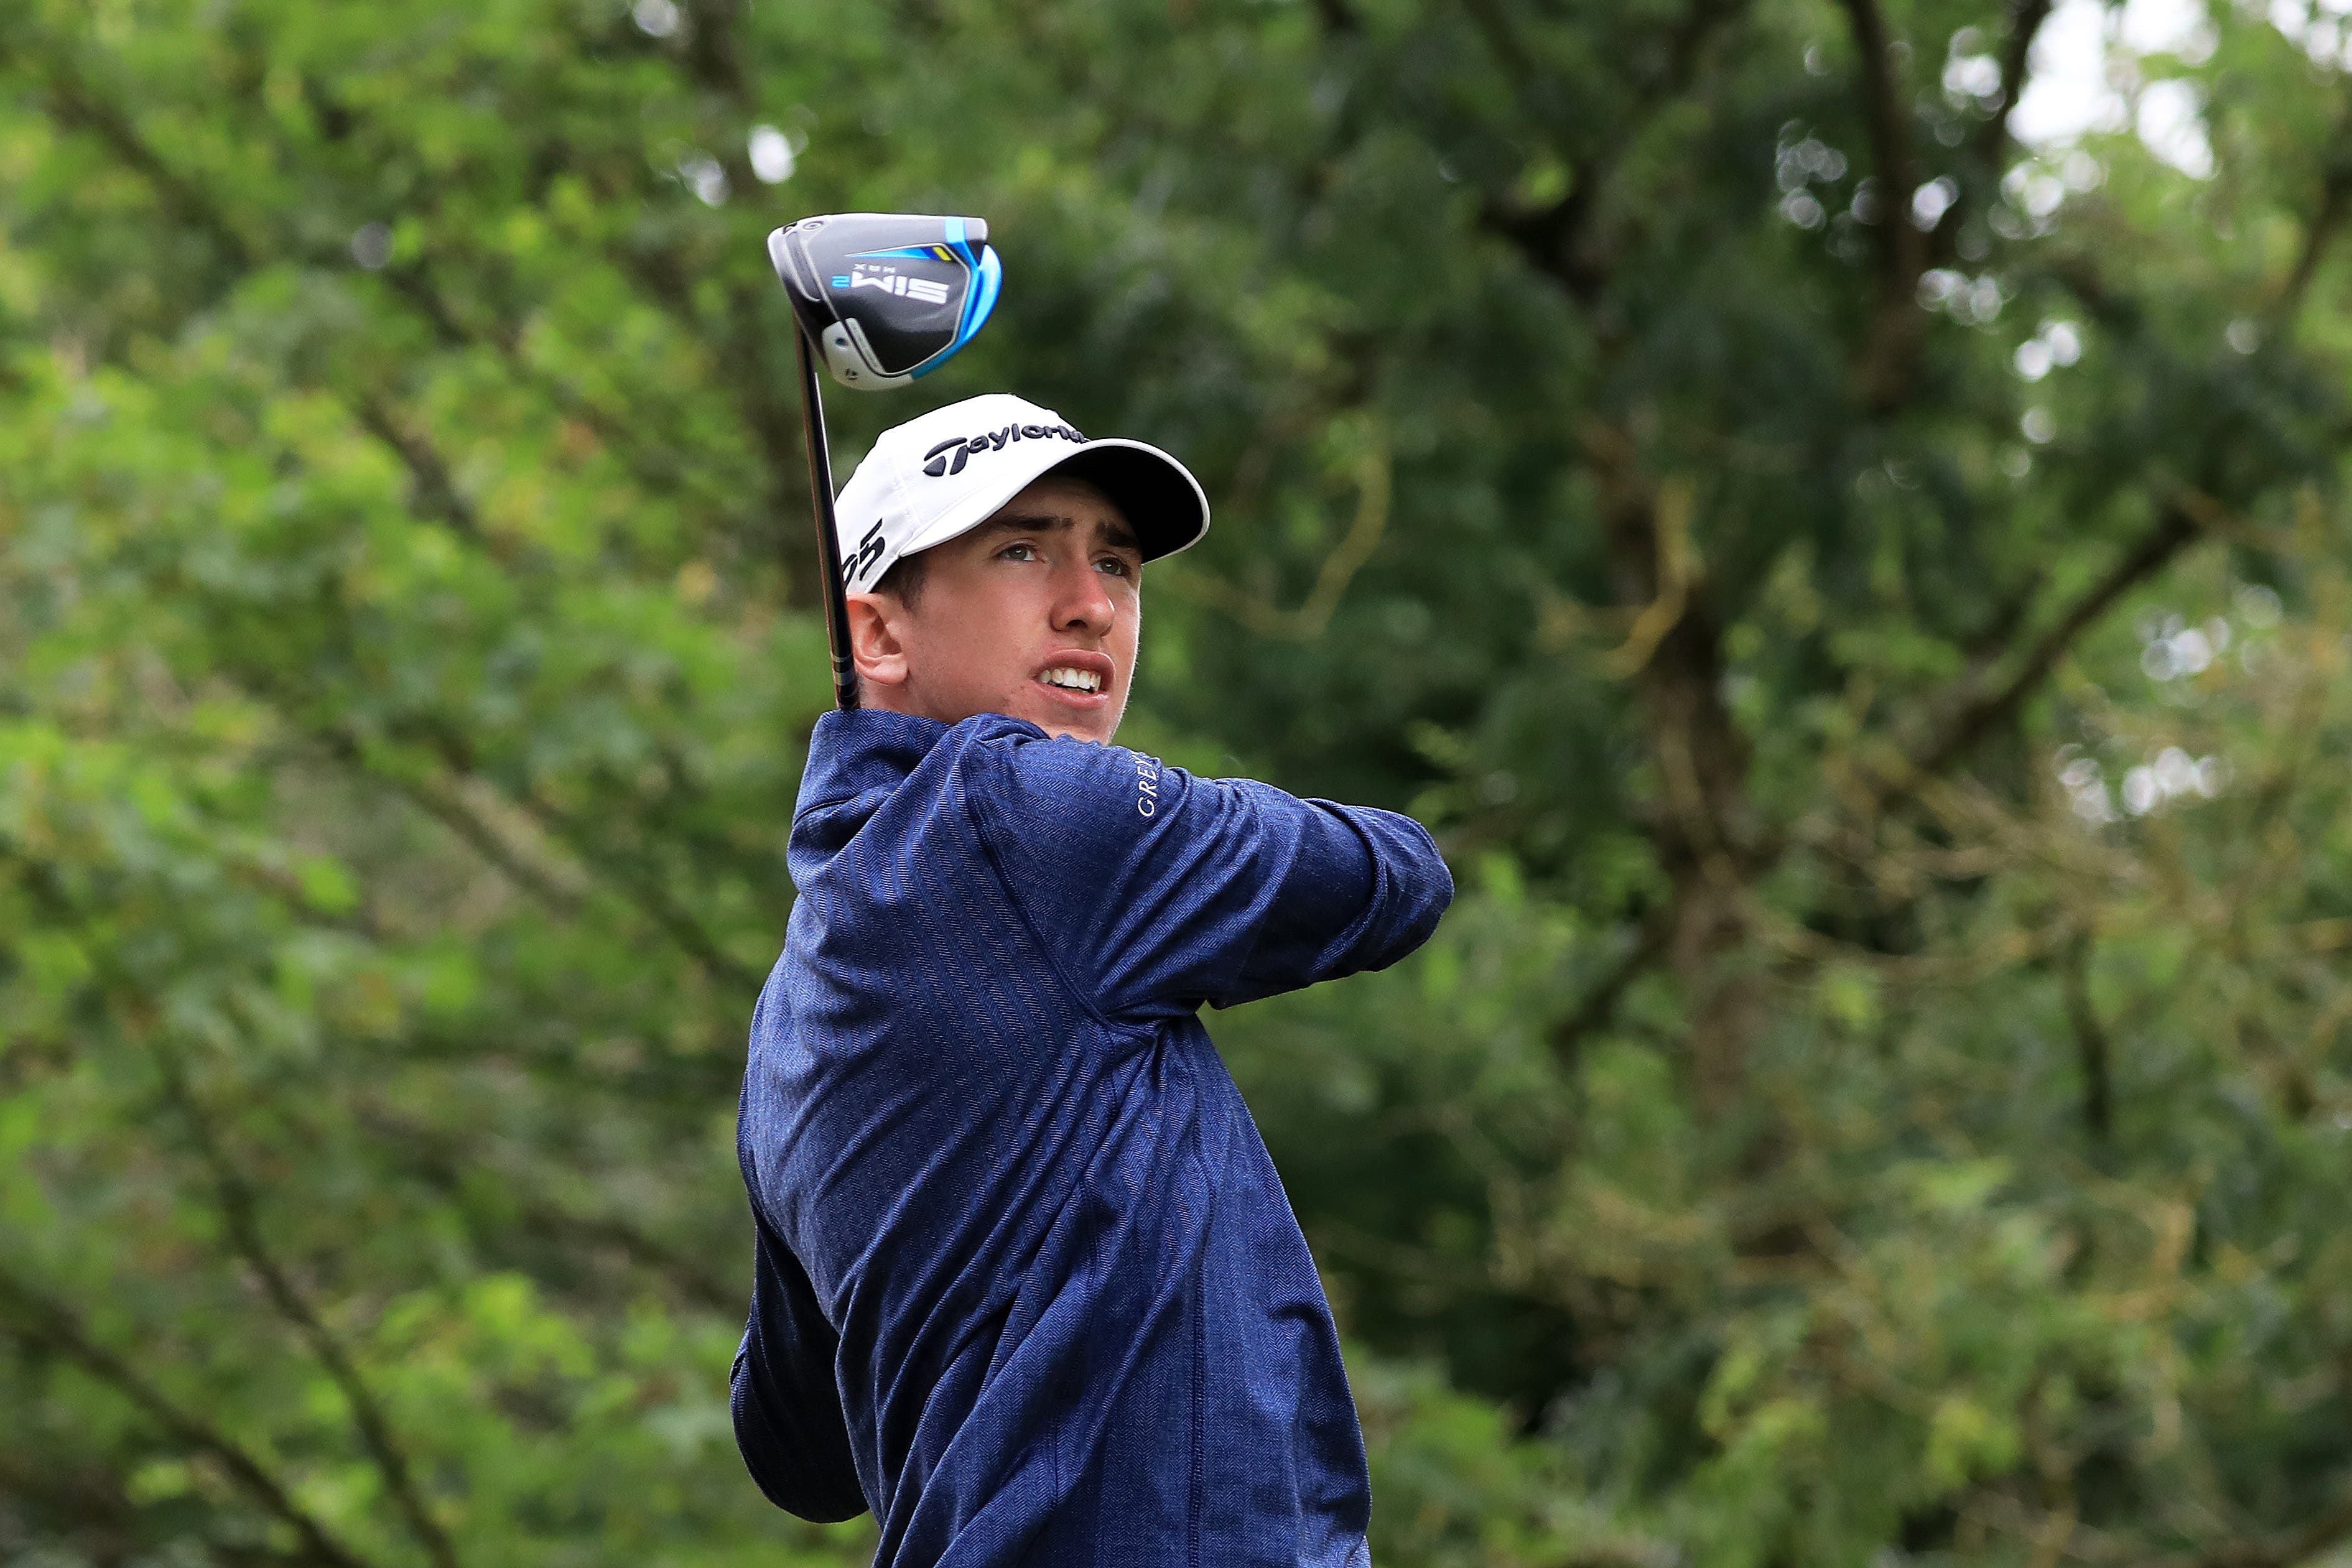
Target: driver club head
(886,297)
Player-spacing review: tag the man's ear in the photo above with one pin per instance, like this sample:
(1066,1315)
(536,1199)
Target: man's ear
(876,623)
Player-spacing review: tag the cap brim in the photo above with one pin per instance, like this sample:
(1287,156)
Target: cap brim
(1157,495)
(1160,499)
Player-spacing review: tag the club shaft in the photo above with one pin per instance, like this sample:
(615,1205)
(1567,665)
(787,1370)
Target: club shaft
(828,538)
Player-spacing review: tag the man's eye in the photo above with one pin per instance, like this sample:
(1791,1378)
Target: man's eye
(1116,567)
(1020,551)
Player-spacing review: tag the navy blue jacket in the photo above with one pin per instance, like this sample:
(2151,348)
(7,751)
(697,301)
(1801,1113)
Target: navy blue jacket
(1027,1285)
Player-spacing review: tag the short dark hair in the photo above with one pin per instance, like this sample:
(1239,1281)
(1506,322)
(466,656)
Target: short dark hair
(904,580)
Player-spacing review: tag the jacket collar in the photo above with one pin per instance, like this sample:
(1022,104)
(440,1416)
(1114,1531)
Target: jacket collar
(865,749)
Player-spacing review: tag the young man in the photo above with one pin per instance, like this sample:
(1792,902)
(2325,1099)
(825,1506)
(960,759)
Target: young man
(1027,1286)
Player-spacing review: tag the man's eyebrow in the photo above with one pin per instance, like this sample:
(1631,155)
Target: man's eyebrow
(1119,535)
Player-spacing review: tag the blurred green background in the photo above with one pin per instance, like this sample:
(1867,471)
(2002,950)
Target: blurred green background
(1854,575)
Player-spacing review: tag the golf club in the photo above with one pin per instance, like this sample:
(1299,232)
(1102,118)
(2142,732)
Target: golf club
(888,297)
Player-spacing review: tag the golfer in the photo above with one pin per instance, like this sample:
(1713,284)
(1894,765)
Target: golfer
(1027,1285)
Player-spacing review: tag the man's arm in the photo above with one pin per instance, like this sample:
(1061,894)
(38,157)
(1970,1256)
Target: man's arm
(788,1420)
(1154,890)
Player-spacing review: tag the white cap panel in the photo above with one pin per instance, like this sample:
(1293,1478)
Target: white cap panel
(949,470)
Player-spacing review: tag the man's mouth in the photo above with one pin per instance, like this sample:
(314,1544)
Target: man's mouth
(1079,678)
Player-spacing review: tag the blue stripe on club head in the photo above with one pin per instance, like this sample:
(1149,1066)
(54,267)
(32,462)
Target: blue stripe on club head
(985,285)
(986,280)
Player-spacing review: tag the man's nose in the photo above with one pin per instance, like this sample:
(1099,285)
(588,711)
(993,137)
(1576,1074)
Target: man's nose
(1081,602)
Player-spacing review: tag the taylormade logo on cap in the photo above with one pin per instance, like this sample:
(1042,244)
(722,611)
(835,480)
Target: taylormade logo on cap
(950,455)
(938,475)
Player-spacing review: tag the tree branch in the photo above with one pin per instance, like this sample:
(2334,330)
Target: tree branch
(239,1209)
(1977,716)
(1339,18)
(1888,114)
(1374,475)
(2090,1043)
(771,414)
(432,491)
(1555,238)
(654,901)
(453,812)
(1600,1003)
(2335,202)
(2287,1549)
(2025,20)
(45,1324)
(633,884)
(443,1163)
(71,103)
(88,1508)
(640,884)
(74,106)
(1502,42)
(1970,720)
(749,345)
(713,53)
(1885,366)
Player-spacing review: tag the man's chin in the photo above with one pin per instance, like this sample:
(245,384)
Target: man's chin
(1094,722)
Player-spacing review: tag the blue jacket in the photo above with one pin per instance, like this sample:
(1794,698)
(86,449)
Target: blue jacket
(1027,1285)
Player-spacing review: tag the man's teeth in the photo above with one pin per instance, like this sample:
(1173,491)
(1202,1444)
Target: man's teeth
(1076,680)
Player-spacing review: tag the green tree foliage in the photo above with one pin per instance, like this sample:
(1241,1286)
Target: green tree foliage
(1862,601)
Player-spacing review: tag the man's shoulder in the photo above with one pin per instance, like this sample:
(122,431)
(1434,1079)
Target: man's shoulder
(1010,768)
(993,789)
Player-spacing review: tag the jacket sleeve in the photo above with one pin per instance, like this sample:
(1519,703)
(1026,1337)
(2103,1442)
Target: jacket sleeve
(1152,890)
(788,1420)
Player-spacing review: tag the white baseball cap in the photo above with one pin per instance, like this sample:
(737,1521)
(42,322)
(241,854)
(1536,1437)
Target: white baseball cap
(931,478)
